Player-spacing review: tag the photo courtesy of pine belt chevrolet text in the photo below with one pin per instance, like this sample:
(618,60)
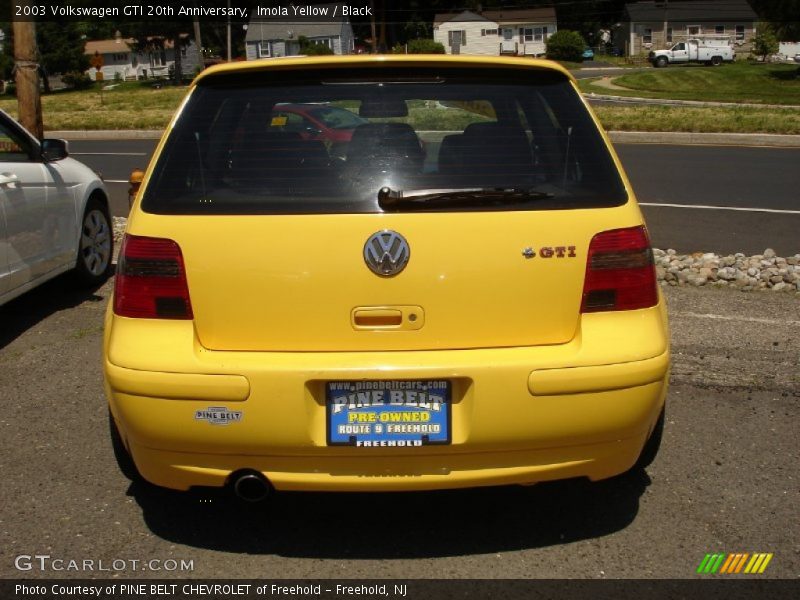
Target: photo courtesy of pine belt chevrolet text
(444,281)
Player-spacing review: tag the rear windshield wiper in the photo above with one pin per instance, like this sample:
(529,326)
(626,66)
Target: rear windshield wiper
(389,199)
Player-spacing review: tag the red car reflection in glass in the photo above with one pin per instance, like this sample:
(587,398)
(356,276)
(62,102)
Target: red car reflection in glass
(316,121)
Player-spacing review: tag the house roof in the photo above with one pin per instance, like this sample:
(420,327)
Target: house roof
(462,17)
(697,11)
(282,28)
(546,14)
(119,45)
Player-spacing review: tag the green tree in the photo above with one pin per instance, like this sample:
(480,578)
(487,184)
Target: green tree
(765,42)
(783,16)
(7,53)
(61,48)
(565,45)
(159,36)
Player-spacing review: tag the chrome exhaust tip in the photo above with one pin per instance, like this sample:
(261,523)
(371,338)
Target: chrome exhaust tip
(251,486)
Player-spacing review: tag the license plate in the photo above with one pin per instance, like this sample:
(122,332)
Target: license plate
(374,414)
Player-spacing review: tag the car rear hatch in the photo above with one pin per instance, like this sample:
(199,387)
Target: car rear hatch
(287,249)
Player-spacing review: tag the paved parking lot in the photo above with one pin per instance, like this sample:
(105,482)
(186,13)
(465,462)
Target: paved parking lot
(726,480)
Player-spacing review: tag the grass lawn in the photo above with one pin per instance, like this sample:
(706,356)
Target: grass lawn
(738,82)
(699,120)
(129,105)
(137,106)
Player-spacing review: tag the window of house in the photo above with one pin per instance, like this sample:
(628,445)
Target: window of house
(528,34)
(459,36)
(264,50)
(324,42)
(719,29)
(740,32)
(488,31)
(669,34)
(121,57)
(647,36)
(694,30)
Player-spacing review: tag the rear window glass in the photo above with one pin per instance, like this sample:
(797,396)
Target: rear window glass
(302,142)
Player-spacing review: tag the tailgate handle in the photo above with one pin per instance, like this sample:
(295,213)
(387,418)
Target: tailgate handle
(390,317)
(378,318)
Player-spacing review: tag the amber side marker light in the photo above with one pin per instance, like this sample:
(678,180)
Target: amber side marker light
(620,272)
(135,181)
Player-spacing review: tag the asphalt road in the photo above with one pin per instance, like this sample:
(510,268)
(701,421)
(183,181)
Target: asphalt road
(731,177)
(726,479)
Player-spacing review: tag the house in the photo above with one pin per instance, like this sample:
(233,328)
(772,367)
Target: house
(118,56)
(514,32)
(656,24)
(269,37)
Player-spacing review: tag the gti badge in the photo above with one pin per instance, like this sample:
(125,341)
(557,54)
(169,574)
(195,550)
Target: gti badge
(386,253)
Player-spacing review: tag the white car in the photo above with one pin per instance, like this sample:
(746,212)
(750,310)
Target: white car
(54,214)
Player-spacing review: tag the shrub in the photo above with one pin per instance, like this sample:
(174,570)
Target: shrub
(76,80)
(565,45)
(311,48)
(420,46)
(765,42)
(316,50)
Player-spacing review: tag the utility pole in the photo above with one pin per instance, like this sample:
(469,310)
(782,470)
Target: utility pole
(229,30)
(198,41)
(373,39)
(26,65)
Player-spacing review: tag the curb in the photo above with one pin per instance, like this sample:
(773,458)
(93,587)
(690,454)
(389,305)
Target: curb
(618,137)
(709,139)
(591,96)
(107,134)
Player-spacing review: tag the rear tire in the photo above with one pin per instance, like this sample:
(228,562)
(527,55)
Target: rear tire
(96,244)
(652,445)
(716,61)
(121,454)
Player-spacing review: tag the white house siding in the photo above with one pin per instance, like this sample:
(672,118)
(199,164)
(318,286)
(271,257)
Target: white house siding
(477,44)
(533,47)
(489,45)
(136,65)
(789,49)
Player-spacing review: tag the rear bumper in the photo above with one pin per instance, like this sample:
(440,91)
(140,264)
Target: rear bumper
(519,415)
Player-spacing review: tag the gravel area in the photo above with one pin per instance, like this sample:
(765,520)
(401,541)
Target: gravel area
(764,271)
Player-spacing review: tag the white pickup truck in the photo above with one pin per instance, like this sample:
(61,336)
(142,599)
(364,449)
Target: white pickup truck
(713,51)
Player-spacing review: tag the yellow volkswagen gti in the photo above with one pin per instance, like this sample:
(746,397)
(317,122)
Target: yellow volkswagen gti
(456,288)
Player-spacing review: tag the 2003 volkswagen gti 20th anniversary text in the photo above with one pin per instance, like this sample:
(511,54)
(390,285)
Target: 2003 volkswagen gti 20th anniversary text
(461,295)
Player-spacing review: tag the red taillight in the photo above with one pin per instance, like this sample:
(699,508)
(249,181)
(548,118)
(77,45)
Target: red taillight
(620,274)
(151,280)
